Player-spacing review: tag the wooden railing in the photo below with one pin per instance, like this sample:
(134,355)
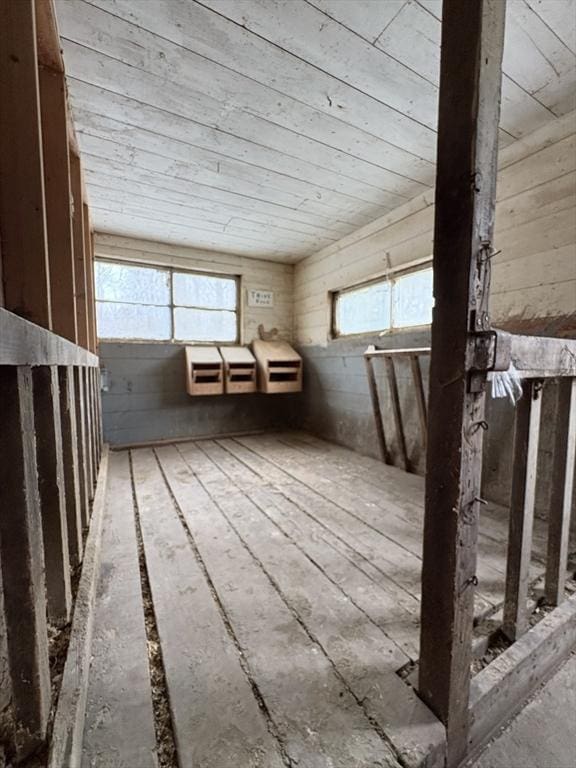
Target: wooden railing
(50,449)
(389,355)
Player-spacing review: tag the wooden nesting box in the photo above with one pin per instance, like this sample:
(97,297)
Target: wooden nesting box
(239,370)
(279,367)
(204,374)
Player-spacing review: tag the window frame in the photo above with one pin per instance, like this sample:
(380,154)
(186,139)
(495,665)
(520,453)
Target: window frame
(391,278)
(171,306)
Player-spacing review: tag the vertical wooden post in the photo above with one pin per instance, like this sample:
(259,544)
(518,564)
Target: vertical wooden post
(561,494)
(99,408)
(90,306)
(51,488)
(70,460)
(420,397)
(22,559)
(377,409)
(81,445)
(397,411)
(88,432)
(24,241)
(469,110)
(58,201)
(524,465)
(79,257)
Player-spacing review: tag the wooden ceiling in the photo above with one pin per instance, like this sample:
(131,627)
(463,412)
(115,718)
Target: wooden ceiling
(271,128)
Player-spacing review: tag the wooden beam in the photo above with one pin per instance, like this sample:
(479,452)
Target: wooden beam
(88,256)
(79,247)
(469,110)
(25,267)
(420,397)
(397,411)
(50,467)
(562,486)
(22,560)
(48,37)
(377,410)
(524,465)
(70,460)
(23,343)
(81,448)
(58,201)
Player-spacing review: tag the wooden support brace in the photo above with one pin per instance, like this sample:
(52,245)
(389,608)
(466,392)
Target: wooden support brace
(70,460)
(561,492)
(22,559)
(79,243)
(397,411)
(90,473)
(58,201)
(81,445)
(522,510)
(420,398)
(51,487)
(469,111)
(377,410)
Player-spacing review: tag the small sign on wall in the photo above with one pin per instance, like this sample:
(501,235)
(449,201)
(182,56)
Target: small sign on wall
(259,298)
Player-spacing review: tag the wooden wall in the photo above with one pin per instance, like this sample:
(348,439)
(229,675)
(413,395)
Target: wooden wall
(146,398)
(534,277)
(255,273)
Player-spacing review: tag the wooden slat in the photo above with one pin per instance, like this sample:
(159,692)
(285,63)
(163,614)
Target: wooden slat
(119,719)
(89,259)
(24,343)
(377,411)
(80,404)
(22,560)
(397,411)
(70,461)
(48,39)
(79,245)
(469,109)
(50,468)
(22,202)
(220,722)
(58,200)
(285,661)
(88,427)
(562,485)
(524,465)
(420,397)
(369,654)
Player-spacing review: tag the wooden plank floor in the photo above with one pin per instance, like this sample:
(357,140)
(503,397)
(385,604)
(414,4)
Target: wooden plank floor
(284,573)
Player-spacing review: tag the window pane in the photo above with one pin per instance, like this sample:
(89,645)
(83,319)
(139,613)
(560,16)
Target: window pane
(124,282)
(363,310)
(204,325)
(204,291)
(133,321)
(413,300)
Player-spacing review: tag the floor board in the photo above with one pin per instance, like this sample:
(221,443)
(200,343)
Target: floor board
(284,574)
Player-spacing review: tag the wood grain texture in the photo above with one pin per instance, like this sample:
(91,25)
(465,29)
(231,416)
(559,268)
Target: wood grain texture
(472,46)
(22,205)
(524,466)
(321,114)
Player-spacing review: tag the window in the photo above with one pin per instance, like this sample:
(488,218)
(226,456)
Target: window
(162,304)
(381,305)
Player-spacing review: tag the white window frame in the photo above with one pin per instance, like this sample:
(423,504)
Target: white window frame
(389,279)
(171,306)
